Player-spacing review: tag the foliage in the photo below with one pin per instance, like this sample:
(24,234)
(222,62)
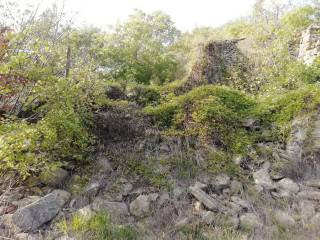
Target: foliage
(139,49)
(281,109)
(97,227)
(149,171)
(209,112)
(220,162)
(47,116)
(54,75)
(143,95)
(59,135)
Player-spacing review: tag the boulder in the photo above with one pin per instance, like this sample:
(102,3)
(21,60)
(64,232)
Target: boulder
(140,207)
(32,216)
(116,209)
(250,221)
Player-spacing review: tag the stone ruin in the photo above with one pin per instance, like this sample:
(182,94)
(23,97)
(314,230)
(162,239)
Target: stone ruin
(217,59)
(310,45)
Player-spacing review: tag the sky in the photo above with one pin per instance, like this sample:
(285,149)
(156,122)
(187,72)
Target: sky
(187,14)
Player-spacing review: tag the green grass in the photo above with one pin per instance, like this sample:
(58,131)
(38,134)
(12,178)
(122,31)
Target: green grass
(98,227)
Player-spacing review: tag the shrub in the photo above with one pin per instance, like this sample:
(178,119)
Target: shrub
(213,113)
(144,95)
(60,135)
(281,109)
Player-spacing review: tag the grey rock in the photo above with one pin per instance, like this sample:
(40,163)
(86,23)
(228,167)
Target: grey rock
(250,221)
(79,202)
(31,217)
(140,207)
(92,190)
(28,236)
(297,138)
(262,177)
(287,187)
(244,204)
(200,185)
(116,209)
(55,177)
(205,199)
(284,219)
(309,195)
(26,201)
(313,183)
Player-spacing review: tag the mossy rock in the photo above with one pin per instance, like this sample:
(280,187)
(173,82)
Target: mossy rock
(54,177)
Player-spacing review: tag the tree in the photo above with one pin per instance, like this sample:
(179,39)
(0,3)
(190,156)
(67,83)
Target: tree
(139,49)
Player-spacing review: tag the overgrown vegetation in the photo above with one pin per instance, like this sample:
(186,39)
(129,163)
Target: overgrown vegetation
(96,227)
(54,76)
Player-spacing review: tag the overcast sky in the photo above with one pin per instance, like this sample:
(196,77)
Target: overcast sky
(187,14)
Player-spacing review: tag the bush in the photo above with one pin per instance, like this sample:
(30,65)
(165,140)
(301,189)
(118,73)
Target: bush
(61,134)
(213,113)
(144,95)
(278,110)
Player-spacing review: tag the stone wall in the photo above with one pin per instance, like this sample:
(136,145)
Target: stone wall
(310,44)
(216,59)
